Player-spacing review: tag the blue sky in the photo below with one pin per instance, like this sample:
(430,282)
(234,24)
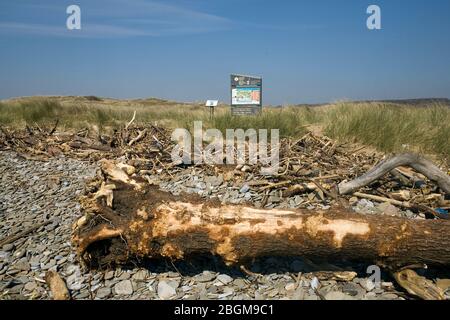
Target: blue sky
(306,51)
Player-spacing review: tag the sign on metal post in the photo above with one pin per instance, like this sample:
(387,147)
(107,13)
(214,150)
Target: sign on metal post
(246,95)
(211,104)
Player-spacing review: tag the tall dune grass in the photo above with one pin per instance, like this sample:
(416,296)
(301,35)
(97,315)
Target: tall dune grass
(391,127)
(290,121)
(387,127)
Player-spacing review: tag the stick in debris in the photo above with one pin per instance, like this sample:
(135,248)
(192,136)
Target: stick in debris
(415,161)
(54,128)
(131,121)
(139,137)
(19,235)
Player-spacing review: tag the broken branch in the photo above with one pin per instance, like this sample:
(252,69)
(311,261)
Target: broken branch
(415,161)
(139,137)
(131,121)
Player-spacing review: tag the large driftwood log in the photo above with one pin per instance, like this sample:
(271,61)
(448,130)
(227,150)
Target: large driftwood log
(415,161)
(146,222)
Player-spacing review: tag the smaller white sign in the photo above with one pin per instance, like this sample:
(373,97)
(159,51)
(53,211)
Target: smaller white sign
(212,103)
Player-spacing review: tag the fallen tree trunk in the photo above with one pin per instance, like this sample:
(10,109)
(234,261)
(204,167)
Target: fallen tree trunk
(150,223)
(420,164)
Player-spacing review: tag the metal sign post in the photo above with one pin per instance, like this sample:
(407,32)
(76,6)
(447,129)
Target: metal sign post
(211,104)
(246,95)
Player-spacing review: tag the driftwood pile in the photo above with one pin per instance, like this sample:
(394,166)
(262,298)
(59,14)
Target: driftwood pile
(147,147)
(127,218)
(312,165)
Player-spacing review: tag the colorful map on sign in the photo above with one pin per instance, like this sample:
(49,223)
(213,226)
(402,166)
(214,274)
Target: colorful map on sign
(246,96)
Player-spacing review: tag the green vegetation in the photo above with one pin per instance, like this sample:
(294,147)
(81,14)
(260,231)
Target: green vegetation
(385,126)
(290,122)
(390,127)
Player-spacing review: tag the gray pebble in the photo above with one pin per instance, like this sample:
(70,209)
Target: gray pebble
(123,287)
(166,290)
(8,247)
(337,295)
(103,292)
(206,276)
(109,275)
(22,265)
(224,278)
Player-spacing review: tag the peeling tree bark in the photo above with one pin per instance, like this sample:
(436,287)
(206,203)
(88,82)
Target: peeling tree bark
(412,160)
(150,223)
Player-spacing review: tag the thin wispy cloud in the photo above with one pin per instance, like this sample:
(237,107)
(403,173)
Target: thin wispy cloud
(90,31)
(116,18)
